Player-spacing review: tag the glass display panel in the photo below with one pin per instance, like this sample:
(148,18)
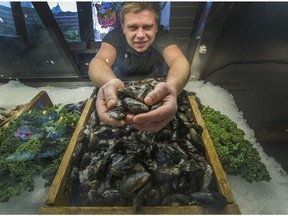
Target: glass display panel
(34,55)
(34,27)
(66,15)
(7,26)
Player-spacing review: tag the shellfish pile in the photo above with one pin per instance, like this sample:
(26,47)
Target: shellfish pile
(126,167)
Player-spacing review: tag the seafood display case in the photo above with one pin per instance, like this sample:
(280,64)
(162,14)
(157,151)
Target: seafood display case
(78,190)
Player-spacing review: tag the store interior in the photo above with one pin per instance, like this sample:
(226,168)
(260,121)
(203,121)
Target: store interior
(240,47)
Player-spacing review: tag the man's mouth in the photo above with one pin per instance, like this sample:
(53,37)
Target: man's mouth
(140,42)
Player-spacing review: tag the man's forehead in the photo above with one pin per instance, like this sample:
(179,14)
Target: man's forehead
(146,15)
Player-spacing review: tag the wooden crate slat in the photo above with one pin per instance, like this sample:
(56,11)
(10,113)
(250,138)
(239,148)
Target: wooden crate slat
(230,209)
(57,194)
(41,97)
(211,153)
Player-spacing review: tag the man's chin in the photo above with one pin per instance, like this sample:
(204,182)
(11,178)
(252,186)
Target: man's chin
(140,49)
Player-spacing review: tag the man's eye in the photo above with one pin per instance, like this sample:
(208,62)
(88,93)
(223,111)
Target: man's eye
(132,28)
(147,27)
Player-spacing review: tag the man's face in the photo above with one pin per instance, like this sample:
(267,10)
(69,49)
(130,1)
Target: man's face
(140,29)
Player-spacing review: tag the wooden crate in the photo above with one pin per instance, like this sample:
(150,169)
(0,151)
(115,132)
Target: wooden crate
(42,98)
(57,201)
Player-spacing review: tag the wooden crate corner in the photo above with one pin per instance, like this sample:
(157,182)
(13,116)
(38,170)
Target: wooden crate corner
(42,98)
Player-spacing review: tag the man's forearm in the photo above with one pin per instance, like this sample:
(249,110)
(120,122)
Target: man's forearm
(178,74)
(100,72)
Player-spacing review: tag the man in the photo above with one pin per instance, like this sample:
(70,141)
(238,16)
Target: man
(139,48)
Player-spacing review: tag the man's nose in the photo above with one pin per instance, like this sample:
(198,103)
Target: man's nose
(140,33)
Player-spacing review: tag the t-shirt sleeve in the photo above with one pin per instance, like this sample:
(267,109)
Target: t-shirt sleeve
(163,39)
(113,37)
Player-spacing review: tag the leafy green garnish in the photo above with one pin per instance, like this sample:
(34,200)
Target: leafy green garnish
(237,155)
(38,154)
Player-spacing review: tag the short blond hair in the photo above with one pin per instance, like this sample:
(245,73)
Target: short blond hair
(136,7)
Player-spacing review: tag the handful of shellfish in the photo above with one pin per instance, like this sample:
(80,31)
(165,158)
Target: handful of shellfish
(126,167)
(131,99)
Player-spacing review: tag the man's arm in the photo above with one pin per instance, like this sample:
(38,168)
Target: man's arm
(100,71)
(166,92)
(177,78)
(102,75)
(179,72)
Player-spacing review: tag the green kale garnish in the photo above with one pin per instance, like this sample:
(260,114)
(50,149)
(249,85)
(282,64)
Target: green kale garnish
(237,155)
(39,154)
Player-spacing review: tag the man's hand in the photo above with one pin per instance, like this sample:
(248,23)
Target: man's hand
(155,120)
(107,99)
